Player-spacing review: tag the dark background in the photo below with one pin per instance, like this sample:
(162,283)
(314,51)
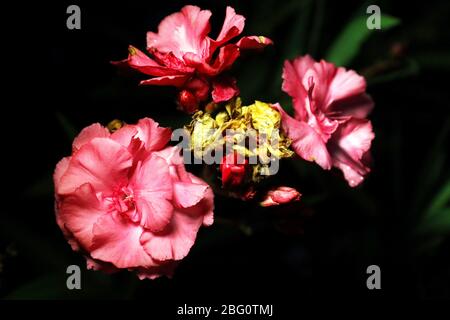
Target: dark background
(398,219)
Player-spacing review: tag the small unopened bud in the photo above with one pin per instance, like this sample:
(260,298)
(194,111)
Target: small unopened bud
(187,101)
(115,125)
(233,171)
(279,196)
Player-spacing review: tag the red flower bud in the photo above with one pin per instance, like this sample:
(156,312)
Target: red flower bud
(187,101)
(199,88)
(234,169)
(279,196)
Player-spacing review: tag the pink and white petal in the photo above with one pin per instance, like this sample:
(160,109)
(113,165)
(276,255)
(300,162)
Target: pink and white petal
(79,212)
(224,89)
(182,32)
(116,240)
(152,187)
(95,130)
(176,81)
(176,240)
(253,42)
(233,26)
(306,142)
(102,162)
(154,137)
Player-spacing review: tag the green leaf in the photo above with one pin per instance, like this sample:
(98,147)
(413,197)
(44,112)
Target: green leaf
(441,200)
(431,172)
(437,218)
(355,33)
(438,223)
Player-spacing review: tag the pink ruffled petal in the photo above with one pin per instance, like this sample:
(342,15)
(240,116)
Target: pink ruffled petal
(233,26)
(348,148)
(102,162)
(125,135)
(176,240)
(67,234)
(182,32)
(79,211)
(206,206)
(60,170)
(154,137)
(116,240)
(95,130)
(152,187)
(175,161)
(188,194)
(293,72)
(306,142)
(344,84)
(179,174)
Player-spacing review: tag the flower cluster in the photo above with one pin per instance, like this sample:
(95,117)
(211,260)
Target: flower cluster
(184,56)
(124,198)
(330,125)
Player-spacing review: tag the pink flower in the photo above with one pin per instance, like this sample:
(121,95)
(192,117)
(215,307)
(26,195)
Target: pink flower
(126,201)
(330,110)
(280,195)
(184,56)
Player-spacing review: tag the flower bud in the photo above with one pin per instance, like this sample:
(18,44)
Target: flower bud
(233,169)
(187,101)
(279,196)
